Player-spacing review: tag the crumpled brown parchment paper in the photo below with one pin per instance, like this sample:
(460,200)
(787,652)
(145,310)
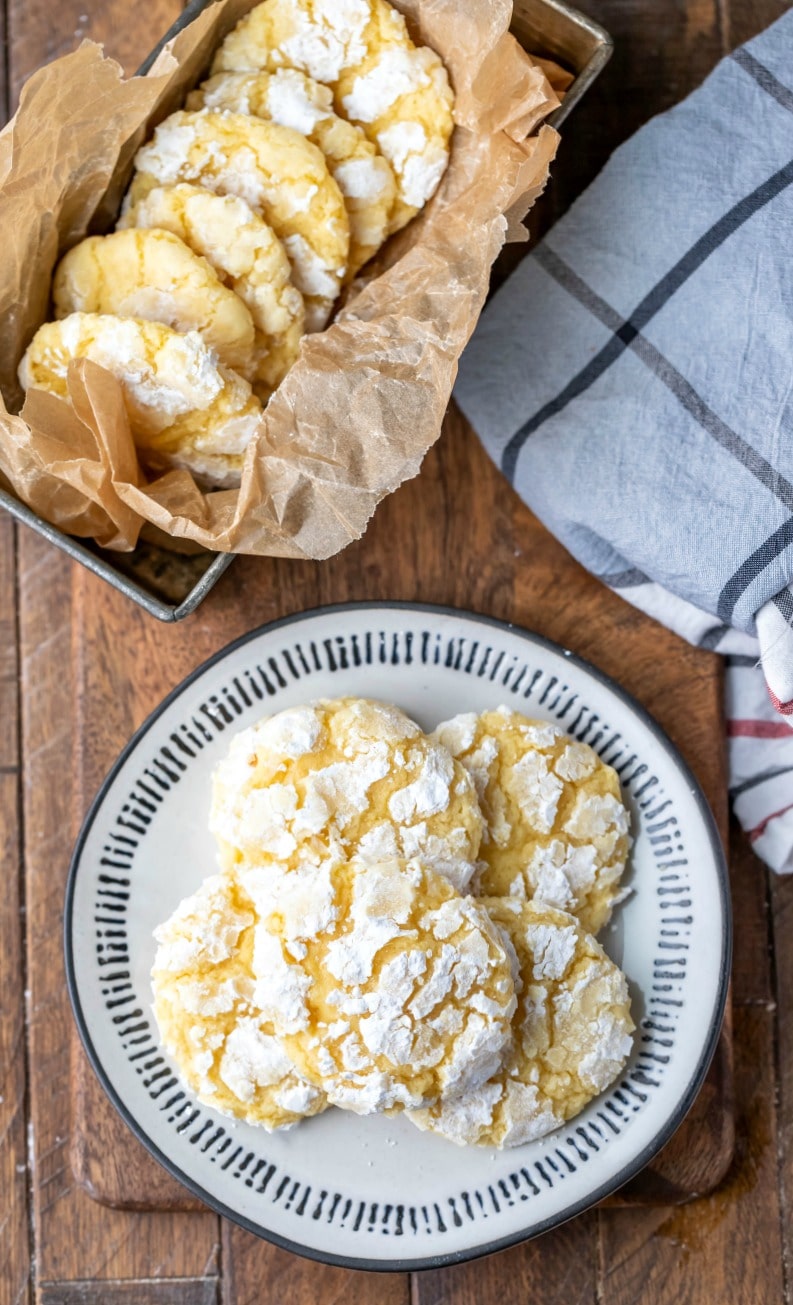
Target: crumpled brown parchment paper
(366,398)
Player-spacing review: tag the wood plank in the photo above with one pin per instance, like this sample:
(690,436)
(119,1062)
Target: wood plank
(557,1269)
(152,1291)
(725,1247)
(75,1238)
(255,1272)
(782,900)
(14,1215)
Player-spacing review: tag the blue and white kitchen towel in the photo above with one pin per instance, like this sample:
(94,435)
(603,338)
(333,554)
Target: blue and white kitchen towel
(634,380)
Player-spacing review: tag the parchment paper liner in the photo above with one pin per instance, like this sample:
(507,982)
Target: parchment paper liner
(365,401)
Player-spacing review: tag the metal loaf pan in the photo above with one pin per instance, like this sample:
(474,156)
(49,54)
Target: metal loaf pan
(171,585)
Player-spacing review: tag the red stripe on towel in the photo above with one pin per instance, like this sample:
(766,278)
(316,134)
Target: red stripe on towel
(758,729)
(784,708)
(761,828)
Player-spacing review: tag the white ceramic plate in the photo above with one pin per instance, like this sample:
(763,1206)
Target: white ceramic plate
(376,1192)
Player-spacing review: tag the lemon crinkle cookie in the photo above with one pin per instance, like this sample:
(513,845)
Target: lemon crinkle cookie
(279,173)
(209,1021)
(153,275)
(555,824)
(292,99)
(398,93)
(572,1034)
(184,409)
(246,254)
(344,777)
(388,988)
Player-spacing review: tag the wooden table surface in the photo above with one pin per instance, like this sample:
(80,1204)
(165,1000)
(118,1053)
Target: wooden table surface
(56,1244)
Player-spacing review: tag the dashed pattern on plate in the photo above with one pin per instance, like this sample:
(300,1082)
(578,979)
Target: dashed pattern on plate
(568,1148)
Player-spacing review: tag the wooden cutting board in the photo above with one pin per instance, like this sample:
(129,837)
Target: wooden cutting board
(458,535)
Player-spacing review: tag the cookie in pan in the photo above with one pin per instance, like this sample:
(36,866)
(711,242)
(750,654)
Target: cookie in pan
(279,173)
(155,276)
(247,256)
(292,99)
(398,93)
(185,410)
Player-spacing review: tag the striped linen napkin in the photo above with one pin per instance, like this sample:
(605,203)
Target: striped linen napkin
(634,380)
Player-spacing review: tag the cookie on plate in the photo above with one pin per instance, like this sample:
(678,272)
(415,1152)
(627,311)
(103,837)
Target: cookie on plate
(344,777)
(388,988)
(292,99)
(397,92)
(556,825)
(280,174)
(184,409)
(572,1034)
(153,275)
(205,1004)
(247,256)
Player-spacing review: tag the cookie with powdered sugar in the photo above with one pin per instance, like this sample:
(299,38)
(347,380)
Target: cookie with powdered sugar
(398,93)
(556,828)
(279,173)
(155,276)
(388,988)
(292,99)
(207,1009)
(571,1034)
(247,256)
(184,409)
(339,778)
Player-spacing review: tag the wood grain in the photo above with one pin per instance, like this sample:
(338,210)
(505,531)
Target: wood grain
(75,1238)
(782,902)
(255,1272)
(155,1291)
(725,1247)
(14,1228)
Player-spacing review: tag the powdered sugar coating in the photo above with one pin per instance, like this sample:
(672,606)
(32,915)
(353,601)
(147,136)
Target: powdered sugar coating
(184,409)
(556,827)
(398,93)
(153,275)
(340,778)
(246,254)
(410,991)
(572,1034)
(294,100)
(205,1004)
(279,174)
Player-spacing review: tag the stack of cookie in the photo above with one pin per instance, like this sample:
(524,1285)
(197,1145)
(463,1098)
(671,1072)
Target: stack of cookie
(322,130)
(401,924)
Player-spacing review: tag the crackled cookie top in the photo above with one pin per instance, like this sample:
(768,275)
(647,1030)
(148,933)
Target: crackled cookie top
(344,777)
(248,257)
(320,37)
(402,100)
(279,173)
(205,1005)
(398,93)
(155,276)
(571,1034)
(184,409)
(294,100)
(556,826)
(388,987)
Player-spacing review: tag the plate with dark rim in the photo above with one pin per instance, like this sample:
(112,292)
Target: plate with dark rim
(374,1192)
